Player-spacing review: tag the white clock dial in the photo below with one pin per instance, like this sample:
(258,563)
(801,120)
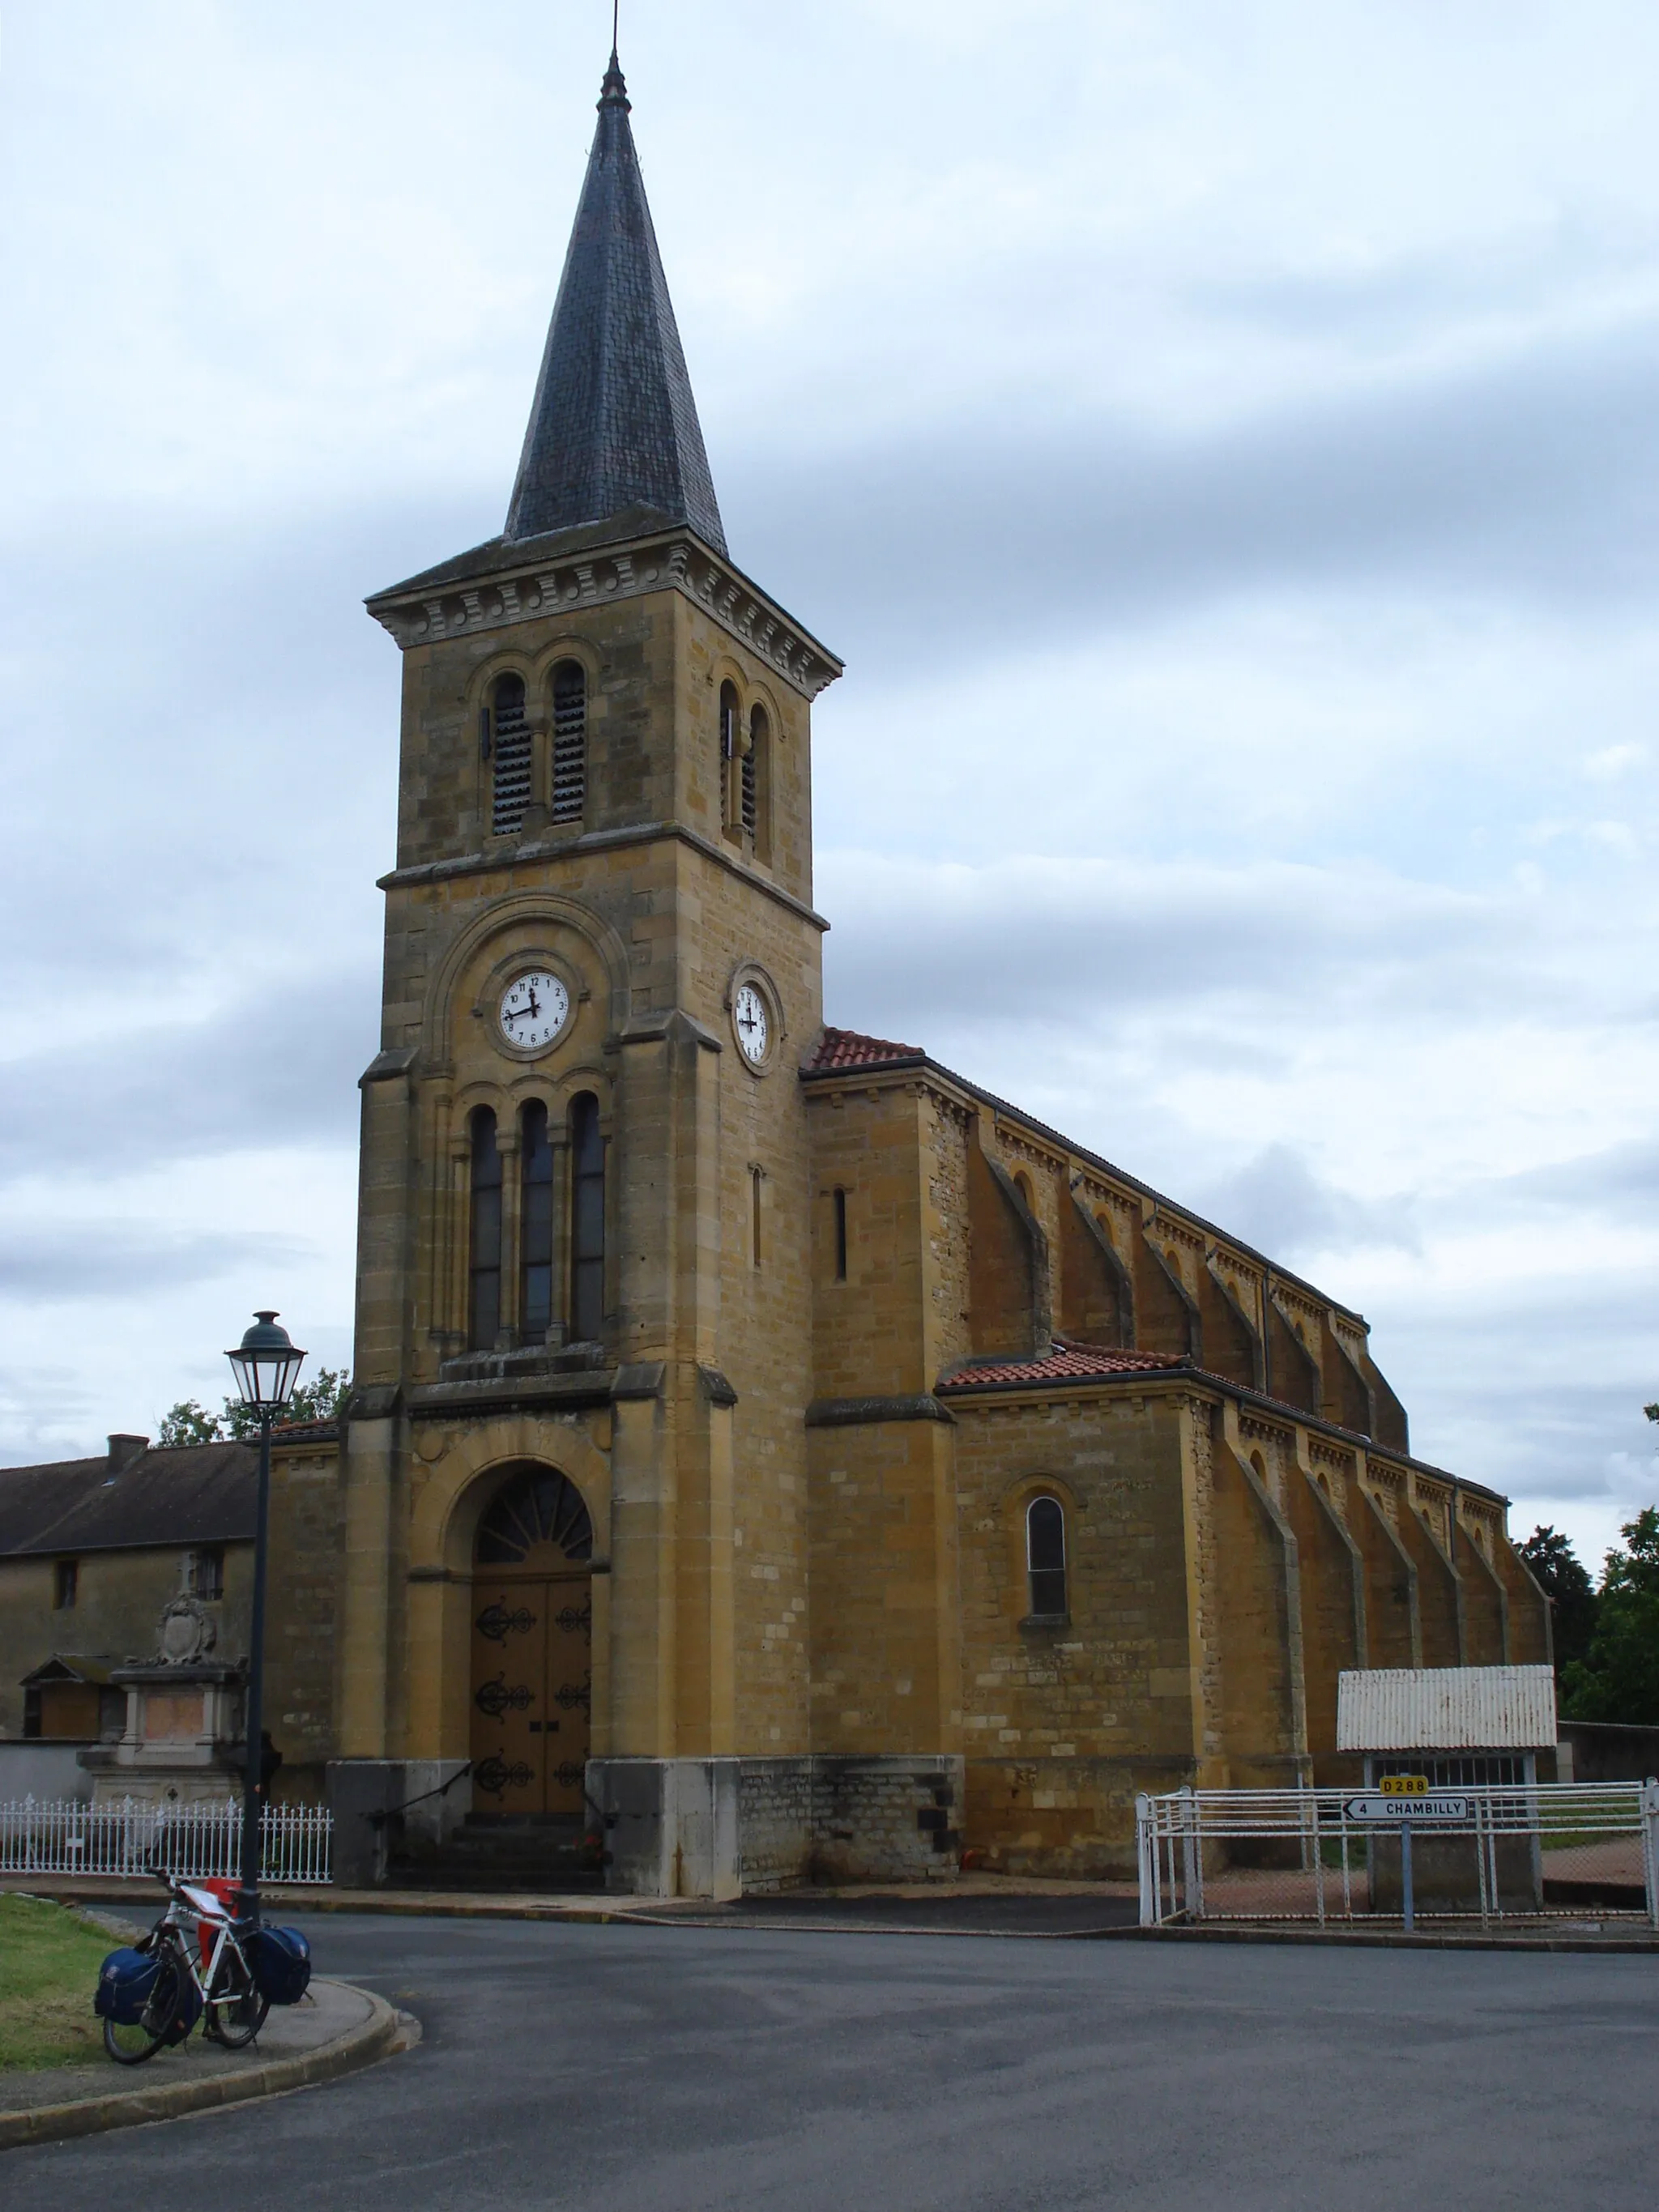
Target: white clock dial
(749,1013)
(533,1009)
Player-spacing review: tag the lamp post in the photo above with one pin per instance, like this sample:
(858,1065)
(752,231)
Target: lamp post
(266,1366)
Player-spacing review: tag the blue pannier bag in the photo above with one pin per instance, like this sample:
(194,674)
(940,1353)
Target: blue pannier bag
(126,1981)
(132,1992)
(281,1959)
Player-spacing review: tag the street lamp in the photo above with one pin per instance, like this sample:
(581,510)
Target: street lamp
(267,1367)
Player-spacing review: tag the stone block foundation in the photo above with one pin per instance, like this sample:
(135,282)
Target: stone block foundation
(719,1827)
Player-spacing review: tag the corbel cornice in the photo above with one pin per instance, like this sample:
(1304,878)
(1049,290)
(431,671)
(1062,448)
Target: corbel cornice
(509,588)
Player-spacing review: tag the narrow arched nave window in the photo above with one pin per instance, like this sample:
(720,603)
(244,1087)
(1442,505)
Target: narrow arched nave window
(536,1227)
(509,743)
(570,801)
(484,1301)
(586,1219)
(1045,1558)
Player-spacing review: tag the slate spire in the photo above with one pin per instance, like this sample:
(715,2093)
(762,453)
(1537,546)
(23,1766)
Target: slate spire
(613,424)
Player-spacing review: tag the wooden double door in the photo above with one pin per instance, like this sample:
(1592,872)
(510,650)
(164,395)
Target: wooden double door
(531,1691)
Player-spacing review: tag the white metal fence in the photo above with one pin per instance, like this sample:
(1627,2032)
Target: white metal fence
(1477,1853)
(56,1836)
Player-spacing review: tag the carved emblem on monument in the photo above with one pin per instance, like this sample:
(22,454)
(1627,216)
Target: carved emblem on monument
(188,1633)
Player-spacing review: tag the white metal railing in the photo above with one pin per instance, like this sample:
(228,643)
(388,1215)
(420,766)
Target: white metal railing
(60,1836)
(1517,1850)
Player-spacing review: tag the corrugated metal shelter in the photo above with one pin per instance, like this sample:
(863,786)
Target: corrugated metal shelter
(1446,1709)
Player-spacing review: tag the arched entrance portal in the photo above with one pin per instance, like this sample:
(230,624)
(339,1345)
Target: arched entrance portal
(532,1618)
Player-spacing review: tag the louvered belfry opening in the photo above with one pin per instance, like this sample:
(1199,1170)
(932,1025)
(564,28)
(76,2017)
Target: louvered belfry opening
(569,741)
(510,746)
(750,802)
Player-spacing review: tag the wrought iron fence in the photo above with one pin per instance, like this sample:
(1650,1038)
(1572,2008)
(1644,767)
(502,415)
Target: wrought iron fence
(58,1837)
(1475,1854)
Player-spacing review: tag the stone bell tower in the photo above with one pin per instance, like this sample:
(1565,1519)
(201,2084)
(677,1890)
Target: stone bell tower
(583,1327)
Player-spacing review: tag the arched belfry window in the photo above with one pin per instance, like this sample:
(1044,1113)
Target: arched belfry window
(586,1219)
(506,746)
(731,759)
(1045,1558)
(536,1227)
(484,1301)
(570,801)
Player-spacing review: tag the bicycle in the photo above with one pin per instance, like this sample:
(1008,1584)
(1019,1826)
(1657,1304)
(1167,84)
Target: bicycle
(223,1991)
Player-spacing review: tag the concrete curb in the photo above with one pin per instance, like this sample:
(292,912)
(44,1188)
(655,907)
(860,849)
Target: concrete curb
(1377,1939)
(1359,1939)
(384,2033)
(465,1904)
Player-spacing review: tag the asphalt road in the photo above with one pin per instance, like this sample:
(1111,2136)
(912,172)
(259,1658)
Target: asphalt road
(633,2068)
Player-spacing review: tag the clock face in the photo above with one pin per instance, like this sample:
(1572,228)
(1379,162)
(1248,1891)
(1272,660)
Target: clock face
(749,1013)
(533,1009)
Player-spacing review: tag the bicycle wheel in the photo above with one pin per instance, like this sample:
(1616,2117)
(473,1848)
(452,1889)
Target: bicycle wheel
(129,2043)
(235,2010)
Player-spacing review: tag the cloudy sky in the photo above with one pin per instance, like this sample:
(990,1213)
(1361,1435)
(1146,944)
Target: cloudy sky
(1221,442)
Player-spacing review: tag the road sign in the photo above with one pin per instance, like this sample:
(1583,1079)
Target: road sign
(1404,1785)
(1417,1810)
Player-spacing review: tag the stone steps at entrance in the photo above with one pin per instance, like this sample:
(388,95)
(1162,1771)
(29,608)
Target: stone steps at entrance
(501,1852)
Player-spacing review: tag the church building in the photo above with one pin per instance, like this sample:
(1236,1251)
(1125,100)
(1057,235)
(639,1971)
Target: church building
(772,1457)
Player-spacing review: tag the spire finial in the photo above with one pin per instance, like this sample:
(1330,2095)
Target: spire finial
(613,93)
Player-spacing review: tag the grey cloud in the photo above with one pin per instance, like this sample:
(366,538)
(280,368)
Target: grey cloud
(1551,267)
(1277,1202)
(276,1072)
(1534,478)
(1536,1391)
(1038,943)
(94,1260)
(1623,1180)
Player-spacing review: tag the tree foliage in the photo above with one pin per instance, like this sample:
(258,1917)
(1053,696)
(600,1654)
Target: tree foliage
(1561,1575)
(1618,1678)
(188,1422)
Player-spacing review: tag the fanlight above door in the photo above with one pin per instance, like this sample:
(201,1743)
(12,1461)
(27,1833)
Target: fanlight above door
(537,1507)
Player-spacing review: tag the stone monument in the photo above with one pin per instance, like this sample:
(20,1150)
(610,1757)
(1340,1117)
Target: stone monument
(182,1743)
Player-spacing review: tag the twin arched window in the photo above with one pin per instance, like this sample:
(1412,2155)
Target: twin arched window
(560,1296)
(1045,1559)
(507,740)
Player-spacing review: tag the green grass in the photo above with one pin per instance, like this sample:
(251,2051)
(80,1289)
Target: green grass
(49,1961)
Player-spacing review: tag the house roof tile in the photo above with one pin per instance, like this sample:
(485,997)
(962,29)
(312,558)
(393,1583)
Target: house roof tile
(1066,1362)
(848,1048)
(192,1494)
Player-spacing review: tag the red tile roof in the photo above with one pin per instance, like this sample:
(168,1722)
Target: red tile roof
(1065,1364)
(840,1048)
